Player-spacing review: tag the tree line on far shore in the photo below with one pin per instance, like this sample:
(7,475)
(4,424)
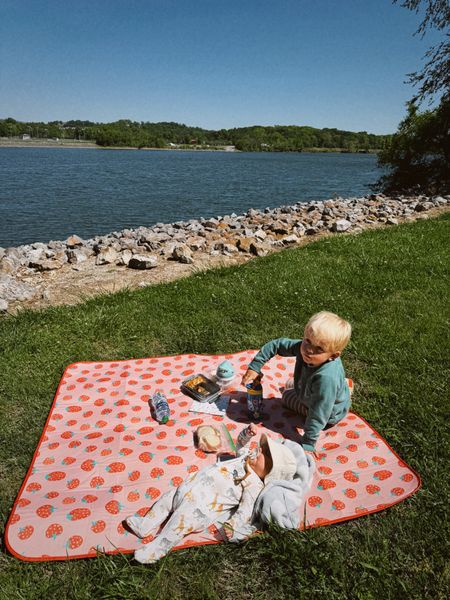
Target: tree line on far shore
(125,132)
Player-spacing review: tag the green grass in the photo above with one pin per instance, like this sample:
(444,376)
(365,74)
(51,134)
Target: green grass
(391,284)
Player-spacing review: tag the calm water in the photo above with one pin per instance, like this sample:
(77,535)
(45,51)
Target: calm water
(50,193)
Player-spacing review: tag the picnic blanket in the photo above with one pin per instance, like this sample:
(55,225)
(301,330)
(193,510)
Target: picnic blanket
(102,457)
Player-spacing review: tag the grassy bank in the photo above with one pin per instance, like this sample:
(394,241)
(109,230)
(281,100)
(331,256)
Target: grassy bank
(391,284)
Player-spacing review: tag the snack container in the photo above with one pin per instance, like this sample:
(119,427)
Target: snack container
(200,388)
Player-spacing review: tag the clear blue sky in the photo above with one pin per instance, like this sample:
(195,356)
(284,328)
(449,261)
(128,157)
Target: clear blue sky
(210,63)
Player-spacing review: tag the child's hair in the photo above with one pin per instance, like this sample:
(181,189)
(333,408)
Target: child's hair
(207,438)
(329,331)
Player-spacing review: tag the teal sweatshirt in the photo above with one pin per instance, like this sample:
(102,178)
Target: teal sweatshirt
(323,389)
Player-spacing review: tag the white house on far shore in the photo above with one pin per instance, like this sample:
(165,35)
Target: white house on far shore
(25,136)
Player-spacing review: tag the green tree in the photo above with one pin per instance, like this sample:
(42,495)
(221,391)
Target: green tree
(434,77)
(419,155)
(419,152)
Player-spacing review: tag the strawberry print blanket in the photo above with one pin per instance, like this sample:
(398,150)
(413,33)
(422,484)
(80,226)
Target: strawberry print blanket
(102,457)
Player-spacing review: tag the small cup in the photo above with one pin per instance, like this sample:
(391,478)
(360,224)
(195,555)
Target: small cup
(225,370)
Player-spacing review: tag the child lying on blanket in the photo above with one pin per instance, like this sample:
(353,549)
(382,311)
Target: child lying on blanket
(319,391)
(222,494)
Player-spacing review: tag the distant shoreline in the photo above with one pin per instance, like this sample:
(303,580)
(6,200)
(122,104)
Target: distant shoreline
(6,143)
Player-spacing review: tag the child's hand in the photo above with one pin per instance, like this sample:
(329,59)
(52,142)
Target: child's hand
(249,376)
(252,429)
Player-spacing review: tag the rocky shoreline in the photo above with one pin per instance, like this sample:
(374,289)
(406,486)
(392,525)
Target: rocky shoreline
(66,272)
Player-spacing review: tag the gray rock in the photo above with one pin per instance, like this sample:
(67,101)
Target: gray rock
(182,254)
(221,247)
(46,264)
(14,253)
(106,256)
(127,234)
(423,206)
(73,241)
(391,221)
(279,227)
(299,229)
(258,249)
(11,289)
(139,261)
(150,246)
(34,256)
(77,255)
(210,223)
(235,224)
(311,231)
(252,212)
(148,237)
(341,225)
(9,265)
(260,234)
(125,257)
(244,244)
(289,239)
(3,306)
(196,243)
(229,249)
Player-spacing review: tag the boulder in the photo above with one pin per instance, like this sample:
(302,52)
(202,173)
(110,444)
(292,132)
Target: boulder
(196,243)
(244,244)
(34,255)
(11,289)
(424,206)
(391,221)
(125,257)
(260,234)
(139,261)
(280,227)
(311,231)
(77,255)
(182,254)
(73,241)
(106,256)
(221,247)
(46,264)
(289,239)
(258,249)
(341,225)
(9,265)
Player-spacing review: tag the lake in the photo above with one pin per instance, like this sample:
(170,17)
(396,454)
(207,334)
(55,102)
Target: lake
(50,193)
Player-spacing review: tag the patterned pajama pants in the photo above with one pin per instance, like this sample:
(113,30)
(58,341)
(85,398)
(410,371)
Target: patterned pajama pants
(185,513)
